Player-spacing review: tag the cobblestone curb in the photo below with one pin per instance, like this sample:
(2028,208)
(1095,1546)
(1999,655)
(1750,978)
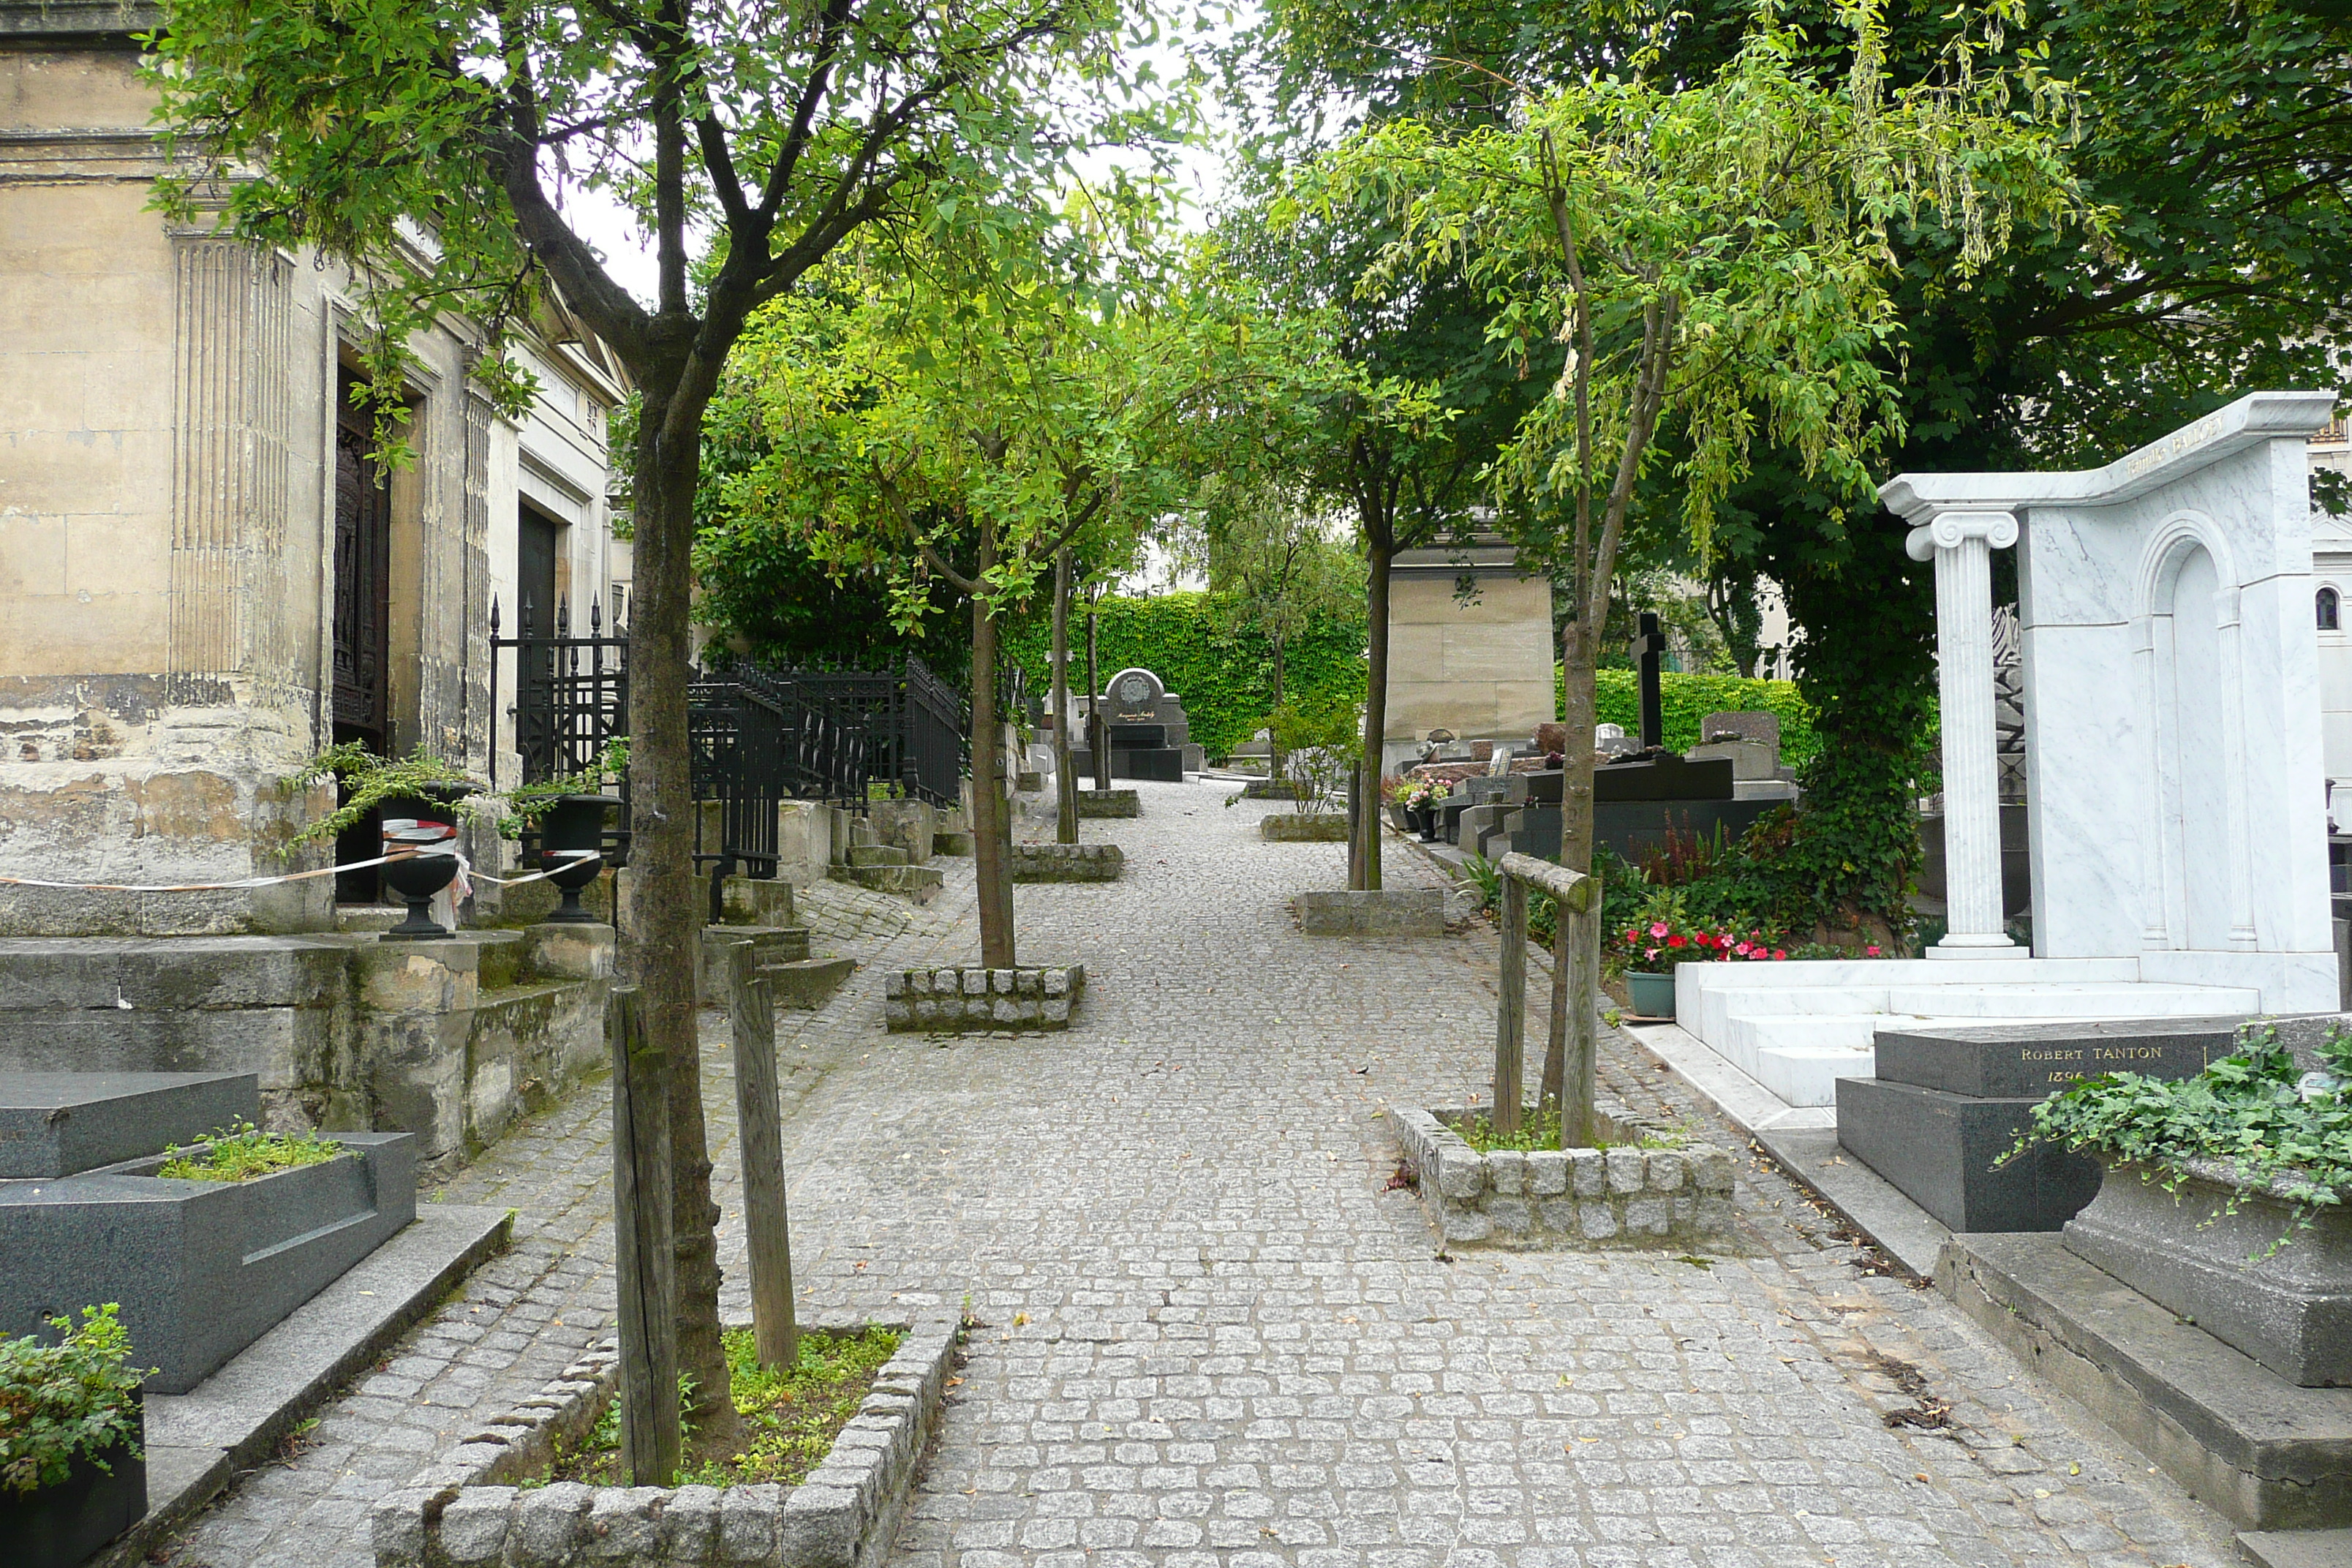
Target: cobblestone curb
(1067,862)
(1101,803)
(1566,1198)
(952,1000)
(844,1515)
(1303,827)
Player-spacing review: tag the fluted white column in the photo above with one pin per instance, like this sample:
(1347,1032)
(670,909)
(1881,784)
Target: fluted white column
(1962,543)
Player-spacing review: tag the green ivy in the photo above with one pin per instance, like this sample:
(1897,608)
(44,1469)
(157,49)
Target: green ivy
(1225,678)
(1685,700)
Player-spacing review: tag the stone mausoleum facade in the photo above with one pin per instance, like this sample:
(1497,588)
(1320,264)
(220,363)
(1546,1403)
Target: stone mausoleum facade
(1481,666)
(202,580)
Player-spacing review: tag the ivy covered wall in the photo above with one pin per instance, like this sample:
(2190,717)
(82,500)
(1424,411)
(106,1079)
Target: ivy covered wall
(1226,678)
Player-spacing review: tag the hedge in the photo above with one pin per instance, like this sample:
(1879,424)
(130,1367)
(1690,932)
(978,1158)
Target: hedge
(1685,700)
(1226,678)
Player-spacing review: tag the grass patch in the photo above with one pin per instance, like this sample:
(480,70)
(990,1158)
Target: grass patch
(790,1418)
(1539,1130)
(243,1152)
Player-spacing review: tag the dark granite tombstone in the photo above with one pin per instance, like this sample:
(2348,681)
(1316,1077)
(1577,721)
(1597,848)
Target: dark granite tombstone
(1665,777)
(1948,1103)
(1649,648)
(201,1268)
(1149,731)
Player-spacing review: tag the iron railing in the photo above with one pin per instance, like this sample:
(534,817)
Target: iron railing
(571,700)
(917,726)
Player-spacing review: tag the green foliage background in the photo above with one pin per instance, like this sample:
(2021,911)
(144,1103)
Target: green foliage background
(1225,678)
(1685,700)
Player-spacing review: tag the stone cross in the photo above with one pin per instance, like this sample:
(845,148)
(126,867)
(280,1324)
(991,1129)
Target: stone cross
(1647,647)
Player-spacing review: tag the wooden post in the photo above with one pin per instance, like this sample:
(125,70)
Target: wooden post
(1511,1015)
(1582,918)
(646,1260)
(1065,782)
(760,1149)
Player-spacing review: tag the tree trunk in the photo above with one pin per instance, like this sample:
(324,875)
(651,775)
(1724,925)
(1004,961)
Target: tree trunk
(1579,644)
(1097,723)
(1273,746)
(662,930)
(991,815)
(1065,784)
(1367,871)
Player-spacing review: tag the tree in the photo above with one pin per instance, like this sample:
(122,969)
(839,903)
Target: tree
(967,413)
(1273,567)
(429,145)
(1719,254)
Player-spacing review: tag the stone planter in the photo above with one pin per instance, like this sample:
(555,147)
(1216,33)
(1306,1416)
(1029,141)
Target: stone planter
(956,1001)
(1382,912)
(1067,862)
(1653,995)
(2292,1310)
(1109,802)
(1303,827)
(65,1525)
(464,1511)
(1567,1197)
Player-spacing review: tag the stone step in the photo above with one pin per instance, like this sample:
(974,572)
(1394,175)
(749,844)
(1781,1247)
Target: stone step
(806,983)
(920,884)
(770,944)
(751,901)
(876,855)
(951,841)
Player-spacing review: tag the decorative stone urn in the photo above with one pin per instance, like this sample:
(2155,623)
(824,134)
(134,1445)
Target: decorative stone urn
(574,824)
(2198,1248)
(424,826)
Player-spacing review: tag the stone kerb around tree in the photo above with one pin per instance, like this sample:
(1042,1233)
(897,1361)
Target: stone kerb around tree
(1067,862)
(970,1000)
(1106,803)
(467,1513)
(1303,827)
(1624,1195)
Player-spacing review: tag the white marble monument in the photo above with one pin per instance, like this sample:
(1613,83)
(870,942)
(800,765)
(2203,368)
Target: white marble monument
(2175,790)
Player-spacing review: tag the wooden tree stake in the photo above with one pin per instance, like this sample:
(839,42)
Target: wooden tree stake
(761,1148)
(1511,1015)
(651,1449)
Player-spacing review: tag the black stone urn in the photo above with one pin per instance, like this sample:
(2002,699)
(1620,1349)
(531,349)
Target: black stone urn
(575,822)
(65,1525)
(1416,820)
(422,830)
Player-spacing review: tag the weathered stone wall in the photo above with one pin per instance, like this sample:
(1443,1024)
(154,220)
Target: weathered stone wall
(1067,862)
(1566,1198)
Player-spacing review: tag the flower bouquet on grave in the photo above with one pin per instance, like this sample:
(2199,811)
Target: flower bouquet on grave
(1664,936)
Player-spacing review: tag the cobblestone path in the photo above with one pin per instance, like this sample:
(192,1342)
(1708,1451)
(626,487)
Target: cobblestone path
(1207,1332)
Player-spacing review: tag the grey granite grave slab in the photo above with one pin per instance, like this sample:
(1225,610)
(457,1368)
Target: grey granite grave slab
(1942,1150)
(58,1123)
(2007,1060)
(200,1268)
(2249,1445)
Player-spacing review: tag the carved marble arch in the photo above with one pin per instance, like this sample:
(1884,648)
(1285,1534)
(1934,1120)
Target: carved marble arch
(2197,892)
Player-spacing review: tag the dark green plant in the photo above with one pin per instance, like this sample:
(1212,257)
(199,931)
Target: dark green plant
(368,781)
(1684,700)
(2255,1115)
(74,1399)
(525,804)
(241,1153)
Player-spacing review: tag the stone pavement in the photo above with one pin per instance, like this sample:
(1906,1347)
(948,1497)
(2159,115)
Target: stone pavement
(1208,1333)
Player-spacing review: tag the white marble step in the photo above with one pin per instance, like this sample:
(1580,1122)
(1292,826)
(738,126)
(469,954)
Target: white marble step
(2044,999)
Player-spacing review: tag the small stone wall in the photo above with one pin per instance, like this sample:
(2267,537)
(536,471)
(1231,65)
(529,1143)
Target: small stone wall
(1097,802)
(1567,1197)
(951,1001)
(460,1513)
(1303,827)
(1382,912)
(1067,862)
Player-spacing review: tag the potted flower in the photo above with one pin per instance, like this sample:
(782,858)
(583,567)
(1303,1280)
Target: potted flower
(415,799)
(2223,1197)
(73,1472)
(1662,937)
(1432,810)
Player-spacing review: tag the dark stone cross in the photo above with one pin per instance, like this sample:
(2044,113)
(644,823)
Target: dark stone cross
(1647,647)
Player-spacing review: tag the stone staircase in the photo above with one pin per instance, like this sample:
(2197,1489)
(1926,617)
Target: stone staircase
(1797,1029)
(885,868)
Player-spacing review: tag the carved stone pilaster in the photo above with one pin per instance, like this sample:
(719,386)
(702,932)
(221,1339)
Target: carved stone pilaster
(1961,544)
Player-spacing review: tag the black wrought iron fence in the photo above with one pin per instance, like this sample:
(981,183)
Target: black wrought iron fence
(915,725)
(570,701)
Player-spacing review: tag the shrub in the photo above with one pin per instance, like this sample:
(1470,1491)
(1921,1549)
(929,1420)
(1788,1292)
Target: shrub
(75,1399)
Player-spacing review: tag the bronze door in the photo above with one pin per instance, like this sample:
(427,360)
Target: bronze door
(362,586)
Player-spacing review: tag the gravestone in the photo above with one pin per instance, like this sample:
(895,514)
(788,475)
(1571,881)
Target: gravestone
(1947,1103)
(1151,737)
(1649,648)
(61,1123)
(1749,741)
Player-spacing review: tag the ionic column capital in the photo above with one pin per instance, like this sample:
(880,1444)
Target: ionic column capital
(1951,529)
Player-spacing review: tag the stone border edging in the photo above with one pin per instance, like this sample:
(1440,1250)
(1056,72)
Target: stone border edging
(460,1513)
(1566,1198)
(956,999)
(1303,827)
(1067,862)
